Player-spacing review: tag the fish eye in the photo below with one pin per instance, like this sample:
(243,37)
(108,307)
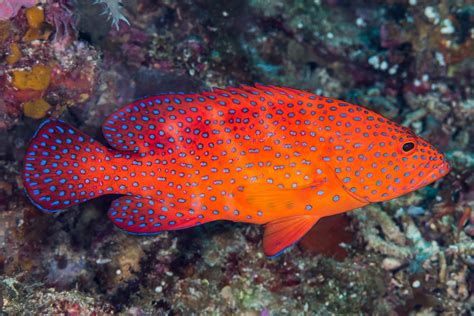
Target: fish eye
(408,146)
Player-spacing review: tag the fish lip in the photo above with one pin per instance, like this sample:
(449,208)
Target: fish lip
(444,165)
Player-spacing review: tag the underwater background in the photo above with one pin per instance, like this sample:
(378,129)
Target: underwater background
(411,61)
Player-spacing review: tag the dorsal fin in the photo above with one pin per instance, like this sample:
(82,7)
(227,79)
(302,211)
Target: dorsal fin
(159,123)
(148,124)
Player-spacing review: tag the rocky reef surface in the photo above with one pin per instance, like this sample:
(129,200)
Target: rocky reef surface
(412,61)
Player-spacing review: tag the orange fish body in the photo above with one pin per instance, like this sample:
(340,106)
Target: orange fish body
(263,155)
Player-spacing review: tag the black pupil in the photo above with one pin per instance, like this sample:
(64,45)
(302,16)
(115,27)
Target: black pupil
(408,146)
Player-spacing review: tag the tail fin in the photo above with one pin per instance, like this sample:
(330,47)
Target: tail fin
(62,167)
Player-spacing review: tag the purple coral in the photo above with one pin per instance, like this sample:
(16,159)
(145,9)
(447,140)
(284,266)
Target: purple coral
(60,14)
(9,8)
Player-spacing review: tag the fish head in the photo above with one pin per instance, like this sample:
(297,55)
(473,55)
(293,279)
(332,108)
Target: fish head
(380,160)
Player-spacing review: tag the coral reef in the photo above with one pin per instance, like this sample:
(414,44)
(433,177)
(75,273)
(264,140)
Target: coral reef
(48,301)
(411,61)
(426,259)
(42,76)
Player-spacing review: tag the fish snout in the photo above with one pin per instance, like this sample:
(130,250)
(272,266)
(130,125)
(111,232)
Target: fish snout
(444,168)
(439,170)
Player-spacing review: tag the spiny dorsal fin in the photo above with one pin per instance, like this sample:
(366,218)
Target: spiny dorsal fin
(156,123)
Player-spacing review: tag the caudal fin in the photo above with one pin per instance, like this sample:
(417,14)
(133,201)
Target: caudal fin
(62,167)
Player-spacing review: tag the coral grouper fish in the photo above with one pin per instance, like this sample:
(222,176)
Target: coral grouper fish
(263,155)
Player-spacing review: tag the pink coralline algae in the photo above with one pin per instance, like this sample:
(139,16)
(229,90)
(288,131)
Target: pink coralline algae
(9,8)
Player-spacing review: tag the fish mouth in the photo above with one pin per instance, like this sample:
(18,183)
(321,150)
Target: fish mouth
(437,173)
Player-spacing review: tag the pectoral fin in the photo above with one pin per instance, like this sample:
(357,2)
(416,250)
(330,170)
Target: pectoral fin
(285,232)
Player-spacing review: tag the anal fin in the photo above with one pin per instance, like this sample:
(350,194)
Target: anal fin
(283,233)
